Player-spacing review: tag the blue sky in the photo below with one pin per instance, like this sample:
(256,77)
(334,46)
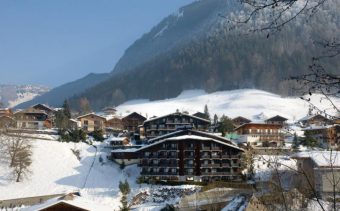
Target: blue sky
(53,42)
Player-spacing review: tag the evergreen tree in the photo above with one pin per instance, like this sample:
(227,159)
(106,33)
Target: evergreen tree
(124,188)
(206,111)
(295,142)
(215,119)
(226,125)
(66,109)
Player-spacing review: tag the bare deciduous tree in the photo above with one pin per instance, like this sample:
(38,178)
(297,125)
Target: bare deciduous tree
(22,162)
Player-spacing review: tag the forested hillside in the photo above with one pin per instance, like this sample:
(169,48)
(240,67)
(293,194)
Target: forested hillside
(215,57)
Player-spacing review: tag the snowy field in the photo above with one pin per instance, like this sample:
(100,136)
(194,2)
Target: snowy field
(55,169)
(254,104)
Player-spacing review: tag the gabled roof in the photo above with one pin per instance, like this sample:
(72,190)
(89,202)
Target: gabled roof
(191,132)
(180,114)
(308,117)
(194,137)
(76,202)
(321,158)
(91,114)
(258,124)
(241,117)
(31,111)
(277,118)
(43,105)
(134,113)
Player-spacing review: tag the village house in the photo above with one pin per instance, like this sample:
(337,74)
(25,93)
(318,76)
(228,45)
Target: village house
(118,141)
(314,120)
(240,120)
(92,122)
(279,120)
(172,122)
(322,169)
(74,124)
(190,155)
(132,121)
(42,107)
(328,136)
(69,202)
(260,134)
(32,119)
(6,112)
(114,124)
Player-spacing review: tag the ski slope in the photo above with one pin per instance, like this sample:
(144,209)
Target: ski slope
(254,104)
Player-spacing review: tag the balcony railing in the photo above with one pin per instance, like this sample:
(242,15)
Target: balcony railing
(158,173)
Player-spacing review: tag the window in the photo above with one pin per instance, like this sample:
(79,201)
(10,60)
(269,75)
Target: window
(86,122)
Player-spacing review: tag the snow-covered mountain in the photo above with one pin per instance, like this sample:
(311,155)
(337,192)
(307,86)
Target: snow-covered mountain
(195,48)
(12,95)
(254,104)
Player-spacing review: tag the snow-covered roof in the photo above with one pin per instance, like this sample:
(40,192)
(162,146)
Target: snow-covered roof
(308,117)
(318,127)
(94,114)
(321,158)
(180,114)
(184,137)
(117,139)
(126,150)
(76,201)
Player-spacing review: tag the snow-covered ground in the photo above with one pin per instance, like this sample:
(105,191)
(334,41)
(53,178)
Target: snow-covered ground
(250,103)
(55,169)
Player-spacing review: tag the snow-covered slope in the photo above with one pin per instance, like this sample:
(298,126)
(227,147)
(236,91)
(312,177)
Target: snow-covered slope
(250,103)
(55,169)
(12,95)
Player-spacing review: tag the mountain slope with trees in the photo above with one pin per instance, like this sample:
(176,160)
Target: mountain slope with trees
(208,53)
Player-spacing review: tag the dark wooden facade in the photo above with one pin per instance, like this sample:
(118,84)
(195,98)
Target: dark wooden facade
(132,121)
(172,122)
(238,121)
(32,119)
(279,120)
(259,133)
(115,124)
(316,120)
(191,157)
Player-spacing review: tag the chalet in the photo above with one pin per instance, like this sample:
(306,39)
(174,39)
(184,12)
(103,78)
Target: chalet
(91,122)
(32,119)
(238,121)
(128,156)
(114,124)
(336,120)
(317,120)
(74,124)
(109,110)
(190,155)
(118,141)
(279,120)
(132,121)
(42,107)
(327,136)
(201,115)
(69,202)
(7,122)
(260,134)
(6,112)
(172,122)
(319,167)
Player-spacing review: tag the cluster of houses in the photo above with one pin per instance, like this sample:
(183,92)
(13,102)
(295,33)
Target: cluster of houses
(184,147)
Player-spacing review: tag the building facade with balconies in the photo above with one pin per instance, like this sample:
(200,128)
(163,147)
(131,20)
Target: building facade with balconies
(191,156)
(160,126)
